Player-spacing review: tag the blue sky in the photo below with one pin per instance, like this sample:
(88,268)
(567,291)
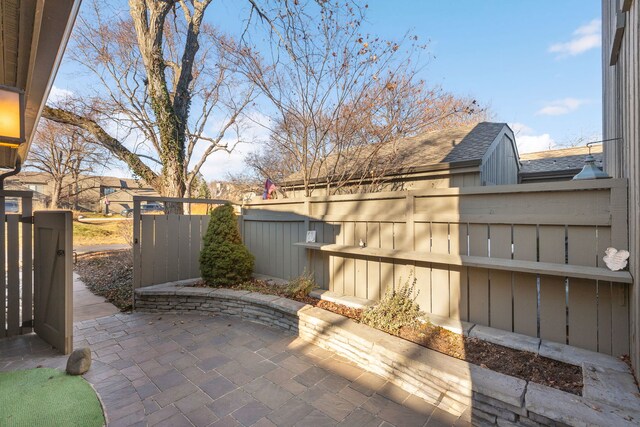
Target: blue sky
(535,64)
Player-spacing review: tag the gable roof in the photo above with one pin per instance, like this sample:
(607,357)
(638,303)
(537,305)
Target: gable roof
(455,147)
(565,160)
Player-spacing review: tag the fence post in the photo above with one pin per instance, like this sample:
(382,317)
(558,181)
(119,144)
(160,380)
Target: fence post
(619,221)
(409,219)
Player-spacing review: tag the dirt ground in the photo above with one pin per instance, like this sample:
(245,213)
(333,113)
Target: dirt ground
(110,275)
(520,364)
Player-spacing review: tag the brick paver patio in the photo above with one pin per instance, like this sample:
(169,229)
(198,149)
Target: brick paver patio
(176,370)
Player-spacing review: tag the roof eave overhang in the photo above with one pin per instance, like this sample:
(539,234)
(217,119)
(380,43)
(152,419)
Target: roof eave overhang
(452,167)
(49,30)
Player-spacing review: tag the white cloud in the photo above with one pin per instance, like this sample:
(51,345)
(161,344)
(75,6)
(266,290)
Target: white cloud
(57,94)
(528,142)
(584,38)
(561,106)
(220,163)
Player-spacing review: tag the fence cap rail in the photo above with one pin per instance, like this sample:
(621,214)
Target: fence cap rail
(592,184)
(542,268)
(182,200)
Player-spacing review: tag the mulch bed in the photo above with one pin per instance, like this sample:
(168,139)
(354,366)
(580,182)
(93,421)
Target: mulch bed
(110,274)
(517,363)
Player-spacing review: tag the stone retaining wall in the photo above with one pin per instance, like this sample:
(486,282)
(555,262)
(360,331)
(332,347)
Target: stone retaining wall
(446,382)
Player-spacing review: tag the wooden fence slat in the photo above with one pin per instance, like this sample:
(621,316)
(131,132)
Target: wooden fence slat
(605,303)
(326,236)
(440,303)
(349,263)
(271,247)
(604,241)
(478,296)
(458,298)
(422,243)
(279,251)
(525,286)
(478,277)
(582,246)
(147,249)
(386,268)
(553,308)
(458,285)
(373,266)
(195,237)
(160,249)
(287,248)
(500,282)
(301,252)
(402,270)
(339,262)
(360,263)
(583,314)
(620,319)
(13,275)
(184,252)
(173,248)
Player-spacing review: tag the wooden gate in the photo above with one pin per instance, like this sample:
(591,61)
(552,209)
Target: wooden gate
(53,278)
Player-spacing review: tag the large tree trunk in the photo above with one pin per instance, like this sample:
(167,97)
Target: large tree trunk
(55,194)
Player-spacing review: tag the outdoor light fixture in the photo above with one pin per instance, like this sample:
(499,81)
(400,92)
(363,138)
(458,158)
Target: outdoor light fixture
(11,117)
(590,170)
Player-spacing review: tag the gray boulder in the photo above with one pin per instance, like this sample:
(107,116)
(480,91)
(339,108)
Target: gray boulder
(79,362)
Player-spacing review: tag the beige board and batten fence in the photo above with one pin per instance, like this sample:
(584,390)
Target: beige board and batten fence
(166,247)
(521,258)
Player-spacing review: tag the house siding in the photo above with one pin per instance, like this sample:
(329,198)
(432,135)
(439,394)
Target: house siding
(621,119)
(501,166)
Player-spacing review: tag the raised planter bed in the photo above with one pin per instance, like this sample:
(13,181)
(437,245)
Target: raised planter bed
(609,393)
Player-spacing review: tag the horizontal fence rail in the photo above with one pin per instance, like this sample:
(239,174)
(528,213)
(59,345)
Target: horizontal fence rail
(522,258)
(16,254)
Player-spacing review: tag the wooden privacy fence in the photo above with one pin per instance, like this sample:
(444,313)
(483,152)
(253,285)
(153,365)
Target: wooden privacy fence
(522,258)
(16,253)
(167,248)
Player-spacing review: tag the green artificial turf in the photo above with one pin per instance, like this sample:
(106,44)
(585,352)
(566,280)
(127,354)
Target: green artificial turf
(47,397)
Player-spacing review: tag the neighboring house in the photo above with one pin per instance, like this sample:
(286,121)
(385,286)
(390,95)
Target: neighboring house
(123,198)
(556,165)
(91,189)
(474,155)
(621,127)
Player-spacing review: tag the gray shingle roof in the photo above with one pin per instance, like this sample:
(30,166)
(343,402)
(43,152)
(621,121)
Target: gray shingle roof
(565,159)
(453,145)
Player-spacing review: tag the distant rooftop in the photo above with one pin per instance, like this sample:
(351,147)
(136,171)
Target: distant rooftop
(562,160)
(448,146)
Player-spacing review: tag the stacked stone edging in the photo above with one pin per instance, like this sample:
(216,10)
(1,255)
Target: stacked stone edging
(446,382)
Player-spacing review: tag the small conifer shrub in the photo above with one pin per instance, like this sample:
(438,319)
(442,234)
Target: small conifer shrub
(396,309)
(224,260)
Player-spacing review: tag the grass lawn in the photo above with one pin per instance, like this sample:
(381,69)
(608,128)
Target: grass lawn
(108,233)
